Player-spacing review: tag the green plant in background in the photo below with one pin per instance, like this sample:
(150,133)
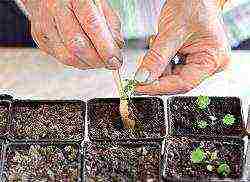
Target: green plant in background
(229,119)
(202,102)
(224,170)
(211,160)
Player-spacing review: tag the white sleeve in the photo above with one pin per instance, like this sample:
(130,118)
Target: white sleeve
(20,4)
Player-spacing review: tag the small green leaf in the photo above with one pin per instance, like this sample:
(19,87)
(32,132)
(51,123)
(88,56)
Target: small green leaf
(214,155)
(224,170)
(229,119)
(203,102)
(202,124)
(130,86)
(198,155)
(210,167)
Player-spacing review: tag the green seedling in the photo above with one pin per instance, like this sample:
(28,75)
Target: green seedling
(130,86)
(202,102)
(210,167)
(198,155)
(224,170)
(229,119)
(202,124)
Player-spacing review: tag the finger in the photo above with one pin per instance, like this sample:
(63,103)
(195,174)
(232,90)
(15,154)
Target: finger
(113,21)
(97,31)
(47,36)
(173,32)
(188,77)
(74,38)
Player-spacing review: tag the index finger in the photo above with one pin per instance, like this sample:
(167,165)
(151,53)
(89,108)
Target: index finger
(94,25)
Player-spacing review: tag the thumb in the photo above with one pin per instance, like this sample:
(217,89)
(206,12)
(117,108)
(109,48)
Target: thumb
(158,57)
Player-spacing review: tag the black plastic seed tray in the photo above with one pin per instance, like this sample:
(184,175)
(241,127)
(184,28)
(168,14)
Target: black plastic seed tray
(109,161)
(42,161)
(205,116)
(204,159)
(47,120)
(105,121)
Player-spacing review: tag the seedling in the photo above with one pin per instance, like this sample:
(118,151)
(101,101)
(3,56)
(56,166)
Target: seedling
(200,156)
(129,87)
(229,119)
(202,124)
(202,102)
(224,170)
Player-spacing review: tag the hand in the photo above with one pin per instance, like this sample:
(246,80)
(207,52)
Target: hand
(190,29)
(79,33)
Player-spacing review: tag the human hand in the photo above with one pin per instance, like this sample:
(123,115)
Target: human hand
(190,30)
(80,33)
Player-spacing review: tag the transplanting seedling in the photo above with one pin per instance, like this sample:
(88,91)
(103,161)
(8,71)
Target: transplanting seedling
(202,102)
(130,86)
(229,119)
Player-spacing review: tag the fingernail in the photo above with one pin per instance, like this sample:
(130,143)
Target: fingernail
(114,62)
(142,76)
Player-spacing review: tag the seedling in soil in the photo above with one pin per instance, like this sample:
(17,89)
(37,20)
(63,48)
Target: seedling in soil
(211,160)
(42,163)
(202,102)
(221,117)
(198,155)
(128,117)
(224,170)
(187,158)
(106,121)
(229,119)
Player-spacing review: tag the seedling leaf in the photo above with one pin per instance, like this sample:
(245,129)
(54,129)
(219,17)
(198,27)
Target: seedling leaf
(130,86)
(198,155)
(202,124)
(209,167)
(229,119)
(202,102)
(224,170)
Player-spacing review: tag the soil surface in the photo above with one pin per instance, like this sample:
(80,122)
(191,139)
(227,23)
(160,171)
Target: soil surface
(48,120)
(4,117)
(106,122)
(177,159)
(42,163)
(184,117)
(115,162)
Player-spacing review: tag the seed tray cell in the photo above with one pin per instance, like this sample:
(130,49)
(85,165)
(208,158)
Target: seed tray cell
(217,117)
(48,120)
(105,161)
(105,121)
(40,162)
(189,159)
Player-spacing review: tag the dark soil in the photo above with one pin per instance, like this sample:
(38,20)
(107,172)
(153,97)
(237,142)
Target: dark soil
(43,120)
(184,115)
(119,162)
(106,122)
(177,161)
(42,163)
(4,117)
